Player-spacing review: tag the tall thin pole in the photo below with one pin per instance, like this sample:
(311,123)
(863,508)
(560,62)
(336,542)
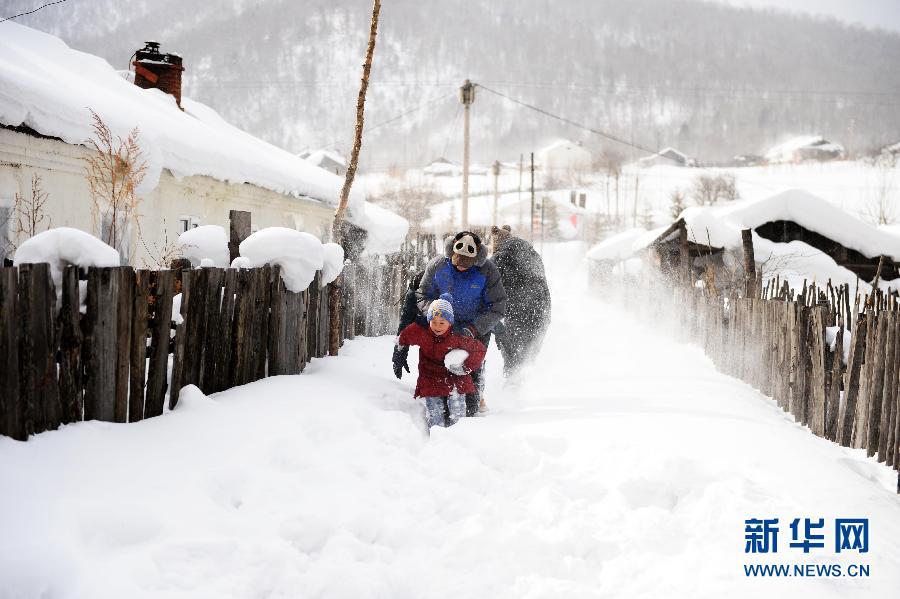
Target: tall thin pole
(531,214)
(496,170)
(466,96)
(521,167)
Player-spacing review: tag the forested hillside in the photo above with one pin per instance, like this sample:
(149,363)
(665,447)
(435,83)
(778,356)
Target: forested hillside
(710,79)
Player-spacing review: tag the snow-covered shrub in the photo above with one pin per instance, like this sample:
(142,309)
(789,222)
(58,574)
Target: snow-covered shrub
(299,254)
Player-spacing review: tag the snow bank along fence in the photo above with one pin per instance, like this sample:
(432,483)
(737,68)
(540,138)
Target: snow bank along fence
(112,361)
(830,359)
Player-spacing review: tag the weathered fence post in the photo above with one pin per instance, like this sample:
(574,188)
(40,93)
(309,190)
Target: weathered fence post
(159,344)
(239,231)
(100,364)
(71,378)
(11,416)
(749,263)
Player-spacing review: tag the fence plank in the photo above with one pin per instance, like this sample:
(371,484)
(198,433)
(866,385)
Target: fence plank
(214,294)
(816,392)
(11,416)
(37,349)
(71,378)
(887,396)
(178,355)
(125,301)
(847,417)
(876,388)
(833,399)
(261,326)
(194,282)
(139,328)
(242,333)
(222,342)
(278,335)
(159,345)
(100,364)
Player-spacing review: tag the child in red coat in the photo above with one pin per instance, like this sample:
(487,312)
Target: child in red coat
(442,380)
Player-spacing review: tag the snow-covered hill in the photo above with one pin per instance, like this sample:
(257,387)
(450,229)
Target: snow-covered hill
(712,80)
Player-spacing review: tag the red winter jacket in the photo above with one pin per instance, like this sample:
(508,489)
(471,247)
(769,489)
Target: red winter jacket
(434,378)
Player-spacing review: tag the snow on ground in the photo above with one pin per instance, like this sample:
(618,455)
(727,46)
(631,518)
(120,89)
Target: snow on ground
(621,465)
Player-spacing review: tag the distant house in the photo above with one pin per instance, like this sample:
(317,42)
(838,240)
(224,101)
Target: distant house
(796,236)
(441,167)
(748,160)
(198,167)
(563,155)
(805,148)
(666,157)
(329,160)
(891,150)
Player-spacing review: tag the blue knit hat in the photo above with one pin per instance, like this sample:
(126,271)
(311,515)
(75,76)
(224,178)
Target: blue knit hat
(443,306)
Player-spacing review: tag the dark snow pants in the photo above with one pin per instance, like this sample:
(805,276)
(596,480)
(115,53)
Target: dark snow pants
(519,344)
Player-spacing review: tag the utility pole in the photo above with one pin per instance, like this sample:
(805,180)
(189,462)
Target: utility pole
(521,167)
(531,214)
(496,170)
(637,185)
(466,96)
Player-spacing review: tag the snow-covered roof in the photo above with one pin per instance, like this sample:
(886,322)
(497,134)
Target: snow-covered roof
(624,245)
(49,87)
(441,168)
(318,157)
(785,151)
(386,230)
(720,226)
(563,144)
(892,149)
(670,153)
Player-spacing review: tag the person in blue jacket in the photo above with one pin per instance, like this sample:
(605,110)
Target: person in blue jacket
(479,300)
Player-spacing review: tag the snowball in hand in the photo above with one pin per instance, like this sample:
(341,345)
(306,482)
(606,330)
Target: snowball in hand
(454,361)
(299,254)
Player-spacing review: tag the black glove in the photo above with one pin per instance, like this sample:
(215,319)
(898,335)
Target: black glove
(399,360)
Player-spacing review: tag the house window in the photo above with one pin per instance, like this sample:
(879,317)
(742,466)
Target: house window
(186,223)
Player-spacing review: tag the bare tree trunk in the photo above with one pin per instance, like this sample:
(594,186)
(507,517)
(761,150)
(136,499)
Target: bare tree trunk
(334,296)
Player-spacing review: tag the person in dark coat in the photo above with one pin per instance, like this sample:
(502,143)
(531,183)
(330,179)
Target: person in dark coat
(408,314)
(479,300)
(528,298)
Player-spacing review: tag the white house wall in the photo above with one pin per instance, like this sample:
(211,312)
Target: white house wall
(205,200)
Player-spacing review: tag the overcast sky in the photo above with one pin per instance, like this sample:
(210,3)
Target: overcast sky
(870,13)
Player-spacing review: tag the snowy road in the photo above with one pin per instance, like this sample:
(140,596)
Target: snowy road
(622,465)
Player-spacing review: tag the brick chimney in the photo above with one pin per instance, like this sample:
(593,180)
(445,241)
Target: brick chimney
(155,69)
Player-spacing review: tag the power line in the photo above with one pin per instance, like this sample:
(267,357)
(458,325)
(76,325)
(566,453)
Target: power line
(563,119)
(32,11)
(399,116)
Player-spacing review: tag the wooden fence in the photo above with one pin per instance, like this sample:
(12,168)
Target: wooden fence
(832,362)
(123,359)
